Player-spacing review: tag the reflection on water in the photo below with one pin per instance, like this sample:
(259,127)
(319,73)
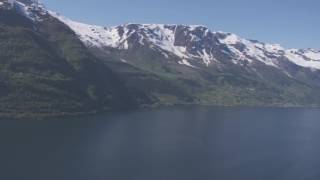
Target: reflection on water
(172,143)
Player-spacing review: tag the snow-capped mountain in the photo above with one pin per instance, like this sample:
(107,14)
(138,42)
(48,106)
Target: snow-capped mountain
(151,64)
(191,43)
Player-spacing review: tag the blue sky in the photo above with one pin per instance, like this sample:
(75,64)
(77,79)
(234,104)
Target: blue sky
(291,23)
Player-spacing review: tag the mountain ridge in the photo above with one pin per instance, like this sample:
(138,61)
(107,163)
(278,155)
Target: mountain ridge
(116,37)
(52,65)
(100,36)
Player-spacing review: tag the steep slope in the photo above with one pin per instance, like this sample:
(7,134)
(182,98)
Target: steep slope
(45,69)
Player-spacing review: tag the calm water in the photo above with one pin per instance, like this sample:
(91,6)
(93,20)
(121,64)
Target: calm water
(190,143)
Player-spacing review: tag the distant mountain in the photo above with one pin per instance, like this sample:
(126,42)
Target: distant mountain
(212,67)
(192,43)
(51,65)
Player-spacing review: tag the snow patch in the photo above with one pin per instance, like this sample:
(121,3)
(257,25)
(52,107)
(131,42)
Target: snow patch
(230,39)
(312,55)
(95,36)
(186,62)
(123,60)
(300,60)
(32,9)
(251,50)
(207,59)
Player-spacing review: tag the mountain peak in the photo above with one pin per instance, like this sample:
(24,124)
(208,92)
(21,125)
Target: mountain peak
(32,9)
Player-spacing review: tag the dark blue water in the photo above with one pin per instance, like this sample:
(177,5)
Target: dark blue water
(190,143)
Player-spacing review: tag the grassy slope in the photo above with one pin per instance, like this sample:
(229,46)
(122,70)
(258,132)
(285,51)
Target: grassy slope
(231,85)
(48,71)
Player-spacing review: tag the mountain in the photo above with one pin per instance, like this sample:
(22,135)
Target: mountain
(53,66)
(191,43)
(209,67)
(45,70)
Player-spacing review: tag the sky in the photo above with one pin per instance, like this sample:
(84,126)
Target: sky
(291,23)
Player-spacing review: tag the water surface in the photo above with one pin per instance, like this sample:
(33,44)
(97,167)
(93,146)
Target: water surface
(186,143)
